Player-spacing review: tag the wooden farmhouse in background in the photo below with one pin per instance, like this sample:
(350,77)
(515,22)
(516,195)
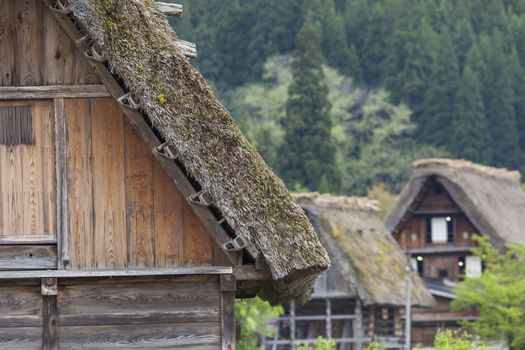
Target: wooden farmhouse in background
(132,210)
(362,295)
(443,205)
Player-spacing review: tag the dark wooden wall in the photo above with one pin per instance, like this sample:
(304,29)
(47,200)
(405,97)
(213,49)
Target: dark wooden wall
(35,51)
(124,211)
(140,313)
(441,204)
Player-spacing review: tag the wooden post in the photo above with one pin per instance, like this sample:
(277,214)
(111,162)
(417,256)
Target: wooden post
(292,324)
(61,180)
(328,319)
(358,325)
(50,313)
(228,287)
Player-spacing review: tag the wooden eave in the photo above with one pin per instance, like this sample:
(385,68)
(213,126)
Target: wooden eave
(138,120)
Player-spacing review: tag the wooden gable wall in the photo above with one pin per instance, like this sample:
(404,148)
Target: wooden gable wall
(34,50)
(122,209)
(430,203)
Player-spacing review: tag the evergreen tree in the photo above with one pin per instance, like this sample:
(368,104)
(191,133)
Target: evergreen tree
(435,124)
(471,139)
(308,152)
(334,43)
(498,95)
(463,40)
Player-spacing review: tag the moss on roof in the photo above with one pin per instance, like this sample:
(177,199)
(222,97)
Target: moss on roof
(362,249)
(142,51)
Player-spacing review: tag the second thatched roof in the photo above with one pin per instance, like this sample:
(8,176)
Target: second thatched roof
(491,198)
(141,50)
(361,248)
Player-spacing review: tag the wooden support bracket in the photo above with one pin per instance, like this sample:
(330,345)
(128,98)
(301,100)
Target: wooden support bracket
(49,286)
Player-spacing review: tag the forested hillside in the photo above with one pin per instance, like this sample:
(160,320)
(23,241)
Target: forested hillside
(341,95)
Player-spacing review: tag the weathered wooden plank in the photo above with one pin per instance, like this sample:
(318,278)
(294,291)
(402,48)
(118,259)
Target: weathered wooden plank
(27,257)
(149,137)
(7,59)
(140,224)
(170,9)
(160,336)
(228,320)
(134,298)
(80,182)
(59,59)
(28,239)
(21,338)
(47,151)
(197,242)
(62,210)
(174,271)
(50,331)
(29,43)
(20,306)
(169,217)
(52,91)
(108,178)
(188,49)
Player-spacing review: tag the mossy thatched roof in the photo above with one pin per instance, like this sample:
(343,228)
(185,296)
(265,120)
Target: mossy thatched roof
(491,198)
(362,249)
(140,47)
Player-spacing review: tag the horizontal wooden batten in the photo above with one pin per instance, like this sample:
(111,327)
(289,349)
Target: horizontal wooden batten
(203,270)
(52,91)
(170,9)
(28,240)
(28,257)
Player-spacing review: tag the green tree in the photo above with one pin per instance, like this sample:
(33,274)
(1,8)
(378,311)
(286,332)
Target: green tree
(498,295)
(253,316)
(435,124)
(308,152)
(498,95)
(471,138)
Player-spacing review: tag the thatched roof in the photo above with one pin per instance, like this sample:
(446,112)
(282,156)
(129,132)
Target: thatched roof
(140,46)
(361,248)
(491,198)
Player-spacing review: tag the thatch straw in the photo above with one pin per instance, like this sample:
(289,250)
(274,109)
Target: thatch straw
(142,51)
(491,198)
(361,248)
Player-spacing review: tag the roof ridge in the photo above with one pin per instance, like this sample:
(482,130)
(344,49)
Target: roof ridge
(461,164)
(340,202)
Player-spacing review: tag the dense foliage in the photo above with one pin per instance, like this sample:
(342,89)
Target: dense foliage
(498,295)
(457,65)
(253,316)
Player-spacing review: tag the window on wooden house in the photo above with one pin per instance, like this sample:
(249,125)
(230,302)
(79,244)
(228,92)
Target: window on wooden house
(439,229)
(473,266)
(417,264)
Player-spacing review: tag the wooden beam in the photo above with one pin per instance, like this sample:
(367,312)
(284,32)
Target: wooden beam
(175,271)
(28,257)
(62,209)
(136,119)
(170,9)
(50,316)
(28,240)
(189,49)
(250,273)
(358,324)
(228,287)
(52,91)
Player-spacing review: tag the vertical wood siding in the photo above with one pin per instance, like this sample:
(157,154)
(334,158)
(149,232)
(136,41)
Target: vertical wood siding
(35,51)
(124,209)
(27,178)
